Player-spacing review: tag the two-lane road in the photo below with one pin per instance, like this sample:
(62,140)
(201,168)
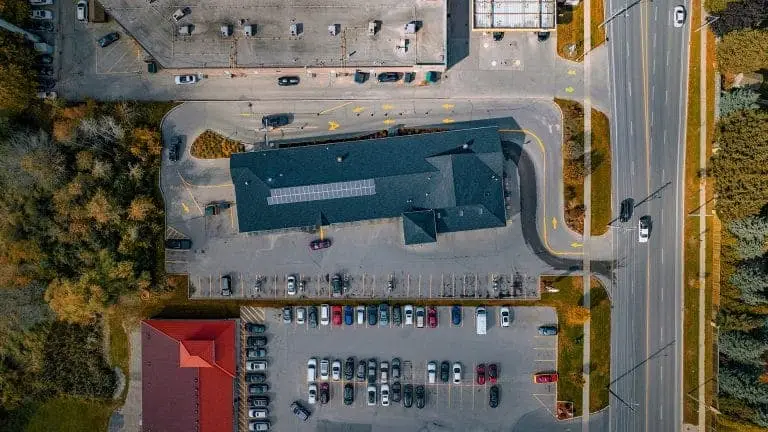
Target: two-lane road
(649,72)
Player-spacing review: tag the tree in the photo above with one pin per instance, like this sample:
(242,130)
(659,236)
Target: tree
(743,347)
(743,51)
(17,87)
(738,99)
(76,301)
(741,382)
(738,15)
(141,207)
(750,277)
(731,320)
(750,233)
(30,161)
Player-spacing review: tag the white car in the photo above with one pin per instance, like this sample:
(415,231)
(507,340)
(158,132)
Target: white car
(385,395)
(291,284)
(301,315)
(256,366)
(335,370)
(457,373)
(311,370)
(41,14)
(325,365)
(360,315)
(644,229)
(325,314)
(81,11)
(420,316)
(312,394)
(371,395)
(186,79)
(408,313)
(504,315)
(40,2)
(678,16)
(431,372)
(384,371)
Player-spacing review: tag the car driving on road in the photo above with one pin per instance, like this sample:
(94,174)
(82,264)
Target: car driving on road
(644,229)
(185,79)
(287,80)
(678,16)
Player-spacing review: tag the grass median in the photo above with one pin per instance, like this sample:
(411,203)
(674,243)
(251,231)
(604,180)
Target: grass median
(211,145)
(601,174)
(570,29)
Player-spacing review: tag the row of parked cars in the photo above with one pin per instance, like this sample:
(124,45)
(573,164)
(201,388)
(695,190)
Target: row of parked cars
(256,377)
(381,314)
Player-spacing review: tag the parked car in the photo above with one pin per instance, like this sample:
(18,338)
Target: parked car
(258,413)
(445,371)
(40,2)
(256,341)
(81,10)
(312,394)
(337,290)
(480,371)
(372,365)
(255,328)
(542,36)
(226,285)
(319,244)
(256,365)
(373,313)
(545,378)
(349,368)
(384,372)
(325,314)
(336,370)
(388,77)
(397,315)
(432,317)
(361,77)
(185,79)
(41,14)
(312,315)
(45,59)
(257,389)
(275,120)
(396,392)
(420,316)
(258,401)
(290,285)
(325,367)
(493,396)
(299,411)
(547,330)
(301,315)
(349,394)
(311,370)
(256,353)
(255,378)
(644,229)
(408,395)
(504,315)
(627,206)
(493,373)
(371,394)
(456,315)
(287,315)
(421,397)
(45,26)
(456,373)
(174,150)
(408,313)
(108,39)
(360,315)
(349,319)
(395,369)
(678,16)
(287,80)
(178,244)
(384,395)
(431,372)
(258,426)
(324,394)
(360,375)
(383,314)
(336,315)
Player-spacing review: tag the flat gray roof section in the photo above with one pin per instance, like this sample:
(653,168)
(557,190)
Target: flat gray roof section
(272,45)
(453,179)
(513,14)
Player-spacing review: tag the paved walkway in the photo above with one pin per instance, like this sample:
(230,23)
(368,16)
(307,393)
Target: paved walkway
(702,220)
(128,417)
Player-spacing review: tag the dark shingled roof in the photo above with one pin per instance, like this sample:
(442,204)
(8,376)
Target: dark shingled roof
(457,173)
(419,227)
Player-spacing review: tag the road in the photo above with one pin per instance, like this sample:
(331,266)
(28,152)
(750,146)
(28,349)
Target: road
(649,69)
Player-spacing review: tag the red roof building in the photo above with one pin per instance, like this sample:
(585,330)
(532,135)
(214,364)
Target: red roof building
(188,375)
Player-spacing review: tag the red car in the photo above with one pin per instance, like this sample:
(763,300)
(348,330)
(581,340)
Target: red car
(493,373)
(480,374)
(336,314)
(319,244)
(432,317)
(545,378)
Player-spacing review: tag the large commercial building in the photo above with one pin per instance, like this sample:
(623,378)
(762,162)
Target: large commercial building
(436,182)
(513,15)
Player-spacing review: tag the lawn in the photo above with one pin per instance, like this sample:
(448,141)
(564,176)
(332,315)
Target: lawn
(600,347)
(68,414)
(573,163)
(570,28)
(601,173)
(210,145)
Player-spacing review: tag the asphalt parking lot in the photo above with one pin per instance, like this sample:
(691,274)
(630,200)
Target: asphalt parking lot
(517,350)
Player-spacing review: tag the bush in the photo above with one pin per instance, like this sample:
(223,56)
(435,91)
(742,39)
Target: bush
(743,51)
(739,15)
(738,99)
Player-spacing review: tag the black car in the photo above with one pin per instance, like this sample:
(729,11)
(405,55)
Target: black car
(174,149)
(397,315)
(408,395)
(396,391)
(325,393)
(420,397)
(361,371)
(255,328)
(456,315)
(178,244)
(493,396)
(542,36)
(287,314)
(312,316)
(373,312)
(349,394)
(256,353)
(395,368)
(409,77)
(287,80)
(45,84)
(256,341)
(349,368)
(255,378)
(497,36)
(258,389)
(275,120)
(299,411)
(361,77)
(109,39)
(45,59)
(258,401)
(388,77)
(445,371)
(44,70)
(336,289)
(627,206)
(40,25)
(372,365)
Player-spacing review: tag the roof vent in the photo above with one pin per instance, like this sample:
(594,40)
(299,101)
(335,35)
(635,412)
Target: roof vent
(339,159)
(269,179)
(246,182)
(465,146)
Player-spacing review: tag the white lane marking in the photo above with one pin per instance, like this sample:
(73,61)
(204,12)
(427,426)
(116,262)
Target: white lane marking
(667,58)
(662,263)
(631,129)
(655,17)
(666,96)
(651,118)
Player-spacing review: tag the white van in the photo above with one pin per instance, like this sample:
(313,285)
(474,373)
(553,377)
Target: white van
(82,10)
(481,315)
(325,314)
(312,370)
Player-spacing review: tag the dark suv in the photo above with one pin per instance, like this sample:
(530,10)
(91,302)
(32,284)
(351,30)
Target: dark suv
(299,411)
(178,244)
(108,39)
(626,209)
(275,120)
(388,77)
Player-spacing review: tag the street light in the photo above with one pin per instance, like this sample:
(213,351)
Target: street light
(706,23)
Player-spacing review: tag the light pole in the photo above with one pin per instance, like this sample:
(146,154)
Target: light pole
(706,23)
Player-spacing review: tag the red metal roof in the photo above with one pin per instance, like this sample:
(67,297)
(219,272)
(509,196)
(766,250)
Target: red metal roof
(188,371)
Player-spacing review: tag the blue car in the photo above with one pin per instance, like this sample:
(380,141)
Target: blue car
(348,315)
(456,315)
(383,314)
(548,330)
(372,315)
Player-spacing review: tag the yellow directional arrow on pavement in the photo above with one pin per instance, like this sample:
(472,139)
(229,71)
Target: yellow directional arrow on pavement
(569,89)
(576,245)
(448,120)
(554,223)
(358,109)
(387,107)
(185,208)
(388,121)
(332,125)
(448,106)
(571,72)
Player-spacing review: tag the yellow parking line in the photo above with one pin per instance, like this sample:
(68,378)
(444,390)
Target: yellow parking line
(335,108)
